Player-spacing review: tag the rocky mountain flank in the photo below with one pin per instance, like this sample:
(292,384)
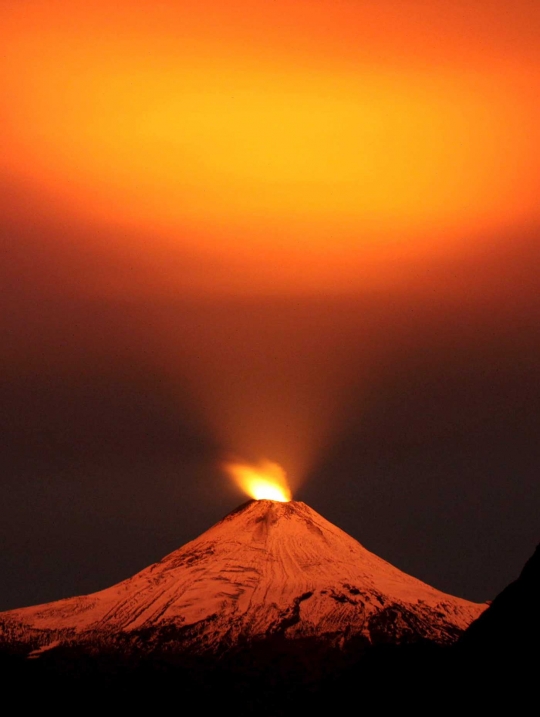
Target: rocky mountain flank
(267,571)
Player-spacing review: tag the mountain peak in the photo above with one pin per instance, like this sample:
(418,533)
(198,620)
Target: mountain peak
(266,568)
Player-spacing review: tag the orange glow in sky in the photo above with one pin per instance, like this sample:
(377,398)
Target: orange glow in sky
(263,481)
(256,133)
(258,201)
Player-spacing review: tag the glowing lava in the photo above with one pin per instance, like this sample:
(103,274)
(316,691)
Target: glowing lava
(264,480)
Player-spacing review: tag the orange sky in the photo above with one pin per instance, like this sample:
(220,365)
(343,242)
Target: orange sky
(288,144)
(156,152)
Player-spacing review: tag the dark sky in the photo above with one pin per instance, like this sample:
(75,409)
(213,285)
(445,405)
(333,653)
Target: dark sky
(300,232)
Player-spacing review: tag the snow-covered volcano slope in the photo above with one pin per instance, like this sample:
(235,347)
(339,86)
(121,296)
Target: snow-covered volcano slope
(266,569)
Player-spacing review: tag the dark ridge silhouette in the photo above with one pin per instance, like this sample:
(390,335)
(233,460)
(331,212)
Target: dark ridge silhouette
(511,624)
(507,635)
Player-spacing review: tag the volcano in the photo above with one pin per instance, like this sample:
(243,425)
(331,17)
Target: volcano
(268,570)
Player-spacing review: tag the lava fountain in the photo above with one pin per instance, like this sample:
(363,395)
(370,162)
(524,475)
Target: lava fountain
(262,481)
